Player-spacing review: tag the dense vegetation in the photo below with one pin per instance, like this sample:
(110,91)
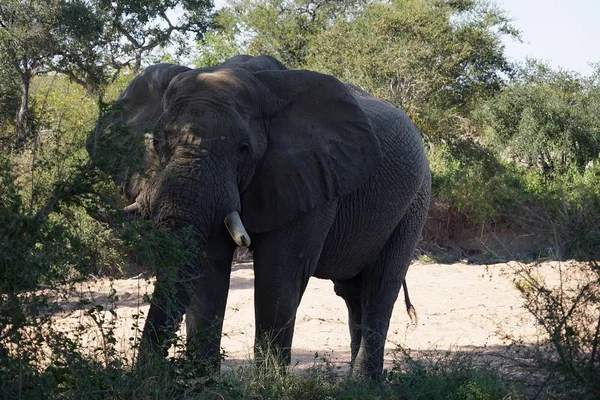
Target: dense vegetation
(508,144)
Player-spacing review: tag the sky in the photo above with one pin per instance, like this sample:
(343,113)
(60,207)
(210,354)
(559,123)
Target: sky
(565,33)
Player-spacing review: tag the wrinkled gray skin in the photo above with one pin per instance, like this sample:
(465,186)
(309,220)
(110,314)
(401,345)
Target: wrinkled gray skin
(329,182)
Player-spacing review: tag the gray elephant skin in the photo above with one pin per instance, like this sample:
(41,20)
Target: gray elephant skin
(323,179)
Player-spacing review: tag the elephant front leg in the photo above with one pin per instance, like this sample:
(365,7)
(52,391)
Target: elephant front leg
(276,299)
(166,310)
(284,260)
(204,320)
(274,332)
(206,310)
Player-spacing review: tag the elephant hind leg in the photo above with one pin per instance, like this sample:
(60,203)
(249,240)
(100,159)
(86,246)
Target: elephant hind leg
(381,282)
(349,290)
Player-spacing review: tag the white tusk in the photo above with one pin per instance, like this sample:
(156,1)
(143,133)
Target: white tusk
(132,209)
(236,229)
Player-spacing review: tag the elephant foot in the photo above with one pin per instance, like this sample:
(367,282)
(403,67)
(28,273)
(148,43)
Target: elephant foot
(271,357)
(363,375)
(205,357)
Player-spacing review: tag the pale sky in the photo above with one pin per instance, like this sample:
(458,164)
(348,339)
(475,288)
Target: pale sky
(565,33)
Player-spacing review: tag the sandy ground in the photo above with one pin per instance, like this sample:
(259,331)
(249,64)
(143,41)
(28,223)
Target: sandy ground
(459,306)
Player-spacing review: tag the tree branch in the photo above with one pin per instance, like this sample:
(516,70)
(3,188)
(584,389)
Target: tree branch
(128,35)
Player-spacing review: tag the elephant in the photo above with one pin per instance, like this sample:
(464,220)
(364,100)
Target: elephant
(320,178)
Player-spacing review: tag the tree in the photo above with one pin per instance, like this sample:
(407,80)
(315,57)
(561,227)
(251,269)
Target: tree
(40,36)
(435,59)
(90,41)
(25,41)
(82,48)
(136,27)
(220,42)
(9,99)
(545,118)
(286,29)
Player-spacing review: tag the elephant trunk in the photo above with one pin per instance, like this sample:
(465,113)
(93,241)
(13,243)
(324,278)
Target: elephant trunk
(232,221)
(191,194)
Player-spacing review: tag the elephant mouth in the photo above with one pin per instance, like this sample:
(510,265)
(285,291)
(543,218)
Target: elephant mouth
(232,221)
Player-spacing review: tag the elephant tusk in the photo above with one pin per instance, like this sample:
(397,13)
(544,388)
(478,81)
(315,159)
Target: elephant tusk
(132,209)
(236,229)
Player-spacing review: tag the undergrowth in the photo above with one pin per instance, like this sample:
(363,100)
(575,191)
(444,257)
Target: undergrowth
(413,376)
(561,210)
(564,299)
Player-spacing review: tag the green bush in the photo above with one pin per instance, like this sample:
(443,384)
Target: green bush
(475,182)
(575,212)
(49,241)
(545,119)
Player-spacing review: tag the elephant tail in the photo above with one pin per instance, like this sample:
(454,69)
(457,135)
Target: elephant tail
(410,309)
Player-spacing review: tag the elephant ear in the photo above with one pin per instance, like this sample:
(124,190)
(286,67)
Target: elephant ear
(320,146)
(122,143)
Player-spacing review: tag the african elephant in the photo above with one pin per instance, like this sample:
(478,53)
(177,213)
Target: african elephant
(326,180)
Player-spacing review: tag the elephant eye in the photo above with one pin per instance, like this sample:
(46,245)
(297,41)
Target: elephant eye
(243,149)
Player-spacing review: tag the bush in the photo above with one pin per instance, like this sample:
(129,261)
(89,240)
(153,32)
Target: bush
(564,212)
(475,182)
(49,242)
(544,118)
(576,199)
(568,313)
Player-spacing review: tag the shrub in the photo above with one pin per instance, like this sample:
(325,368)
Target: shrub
(568,314)
(475,182)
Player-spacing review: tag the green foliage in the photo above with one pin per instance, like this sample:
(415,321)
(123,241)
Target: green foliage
(135,28)
(575,197)
(26,31)
(447,375)
(37,37)
(88,41)
(286,29)
(47,193)
(49,241)
(546,119)
(562,212)
(476,182)
(220,42)
(9,100)
(433,59)
(42,36)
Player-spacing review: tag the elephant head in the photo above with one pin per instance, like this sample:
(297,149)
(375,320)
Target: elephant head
(122,143)
(247,138)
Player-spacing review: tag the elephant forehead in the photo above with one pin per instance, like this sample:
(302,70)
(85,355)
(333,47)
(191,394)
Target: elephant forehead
(220,83)
(217,78)
(199,121)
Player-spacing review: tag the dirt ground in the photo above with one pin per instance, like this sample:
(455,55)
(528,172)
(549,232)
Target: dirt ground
(460,307)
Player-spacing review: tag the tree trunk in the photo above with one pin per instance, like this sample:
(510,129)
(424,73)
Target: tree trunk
(138,61)
(23,123)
